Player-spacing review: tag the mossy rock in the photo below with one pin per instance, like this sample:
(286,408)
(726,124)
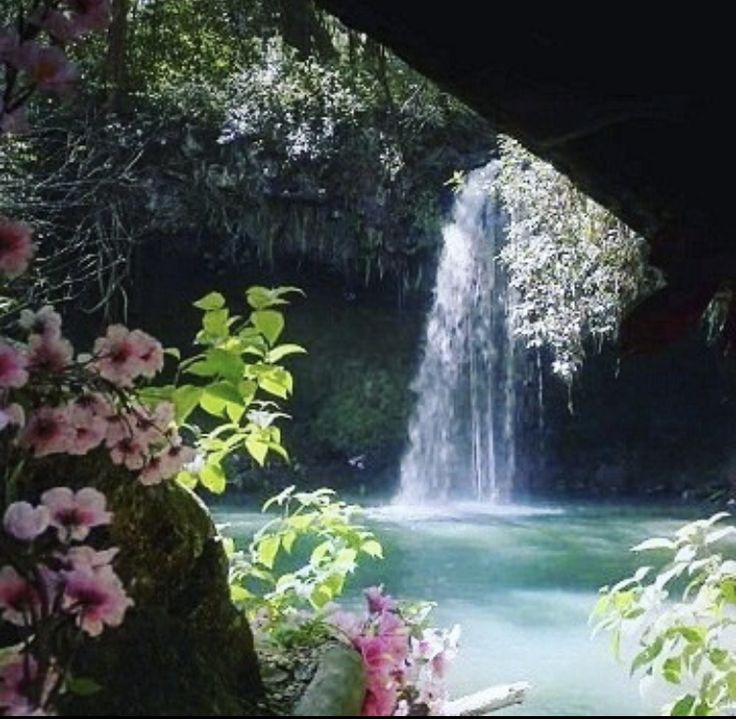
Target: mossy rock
(337,688)
(184,649)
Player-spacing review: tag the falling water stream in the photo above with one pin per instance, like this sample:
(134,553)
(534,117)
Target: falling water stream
(520,580)
(461,433)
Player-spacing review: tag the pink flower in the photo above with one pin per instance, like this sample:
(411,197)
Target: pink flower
(14,682)
(379,702)
(16,247)
(349,623)
(130,452)
(13,363)
(378,601)
(75,513)
(95,404)
(49,354)
(84,557)
(118,356)
(11,415)
(48,431)
(153,472)
(118,428)
(151,427)
(89,429)
(122,355)
(24,521)
(97,597)
(47,67)
(376,654)
(46,322)
(18,598)
(175,457)
(150,353)
(19,681)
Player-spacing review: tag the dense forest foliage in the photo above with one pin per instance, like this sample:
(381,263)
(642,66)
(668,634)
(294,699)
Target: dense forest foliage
(244,132)
(221,144)
(236,142)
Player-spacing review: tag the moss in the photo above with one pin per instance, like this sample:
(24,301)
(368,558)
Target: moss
(183,650)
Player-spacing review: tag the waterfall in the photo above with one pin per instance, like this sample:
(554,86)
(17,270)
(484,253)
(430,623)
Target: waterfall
(461,433)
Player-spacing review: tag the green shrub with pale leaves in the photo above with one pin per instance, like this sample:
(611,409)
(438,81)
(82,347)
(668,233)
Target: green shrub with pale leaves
(683,616)
(300,560)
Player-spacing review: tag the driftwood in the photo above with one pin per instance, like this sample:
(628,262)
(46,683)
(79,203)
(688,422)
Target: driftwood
(487,700)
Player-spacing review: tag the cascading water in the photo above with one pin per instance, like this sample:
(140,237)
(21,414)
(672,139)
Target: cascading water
(461,433)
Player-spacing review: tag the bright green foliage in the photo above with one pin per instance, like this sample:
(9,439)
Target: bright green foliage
(316,531)
(234,379)
(684,617)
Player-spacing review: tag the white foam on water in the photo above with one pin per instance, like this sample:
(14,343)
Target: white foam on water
(456,511)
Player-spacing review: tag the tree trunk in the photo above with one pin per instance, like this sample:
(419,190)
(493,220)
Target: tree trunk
(116,75)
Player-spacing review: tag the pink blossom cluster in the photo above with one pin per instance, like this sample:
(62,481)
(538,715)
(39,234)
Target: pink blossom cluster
(405,662)
(33,65)
(122,355)
(16,243)
(54,582)
(143,439)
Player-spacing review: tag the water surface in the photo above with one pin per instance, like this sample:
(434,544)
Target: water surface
(521,583)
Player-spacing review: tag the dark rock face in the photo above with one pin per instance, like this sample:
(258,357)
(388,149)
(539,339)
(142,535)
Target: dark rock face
(183,649)
(631,106)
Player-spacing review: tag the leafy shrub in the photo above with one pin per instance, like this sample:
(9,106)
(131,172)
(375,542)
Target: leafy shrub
(683,617)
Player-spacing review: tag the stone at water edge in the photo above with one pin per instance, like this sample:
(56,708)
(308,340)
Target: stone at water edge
(338,687)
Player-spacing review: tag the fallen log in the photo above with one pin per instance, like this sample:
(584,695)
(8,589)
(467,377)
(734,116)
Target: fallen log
(487,700)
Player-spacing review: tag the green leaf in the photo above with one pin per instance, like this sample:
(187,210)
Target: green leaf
(718,657)
(276,381)
(654,543)
(268,548)
(671,669)
(219,363)
(215,323)
(211,301)
(278,353)
(683,706)
(187,479)
(288,540)
(269,323)
(321,595)
(174,352)
(228,545)
(647,655)
(335,584)
(223,397)
(262,297)
(212,404)
(320,552)
(728,591)
(212,476)
(345,560)
(372,548)
(185,399)
(82,686)
(239,593)
(257,449)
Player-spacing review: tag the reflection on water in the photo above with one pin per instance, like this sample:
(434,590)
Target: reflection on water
(521,582)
